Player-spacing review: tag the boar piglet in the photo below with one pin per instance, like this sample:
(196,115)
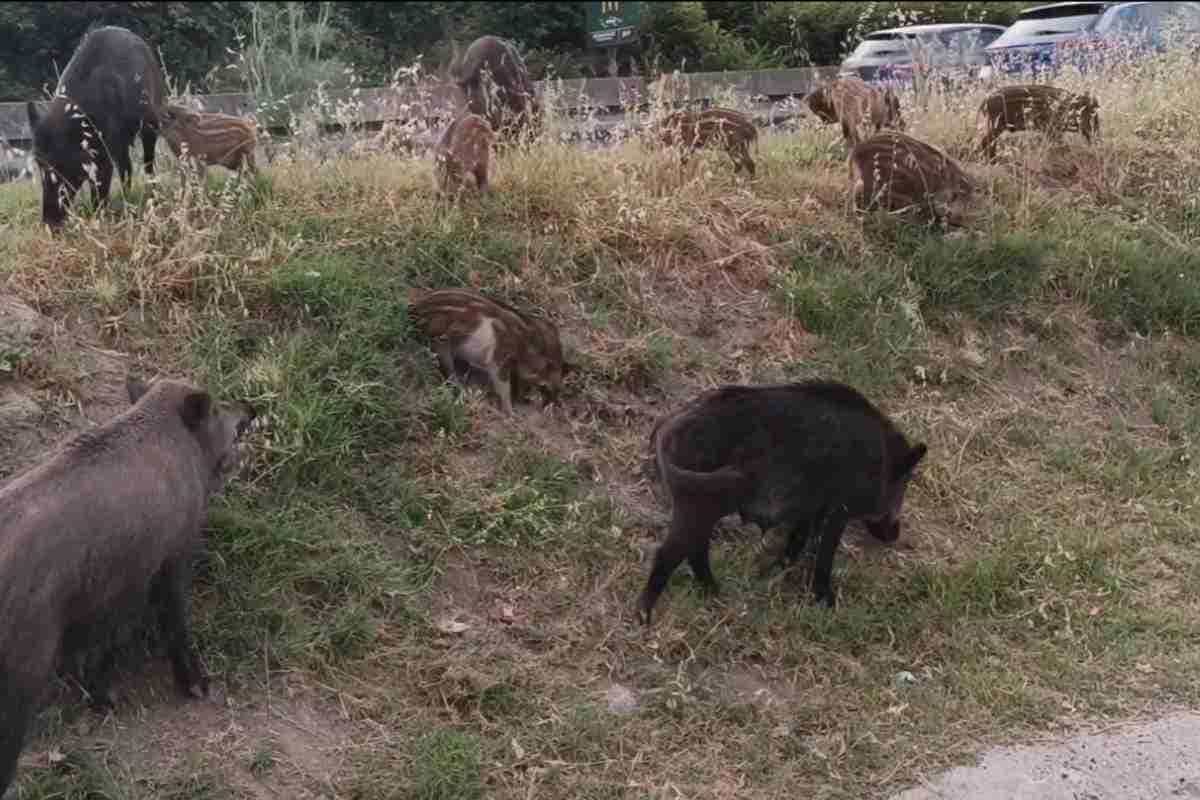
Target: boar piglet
(807,456)
(854,104)
(104,526)
(725,128)
(897,172)
(110,92)
(1035,106)
(514,349)
(464,149)
(211,139)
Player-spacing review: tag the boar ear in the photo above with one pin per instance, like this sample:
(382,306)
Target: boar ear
(34,115)
(196,408)
(910,461)
(135,388)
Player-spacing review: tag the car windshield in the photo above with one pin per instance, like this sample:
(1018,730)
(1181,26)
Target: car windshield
(1052,22)
(877,45)
(880,44)
(1143,18)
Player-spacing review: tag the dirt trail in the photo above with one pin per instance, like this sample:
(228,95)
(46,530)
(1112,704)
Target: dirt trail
(1132,761)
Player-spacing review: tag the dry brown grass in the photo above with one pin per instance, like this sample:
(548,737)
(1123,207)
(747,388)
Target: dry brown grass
(447,597)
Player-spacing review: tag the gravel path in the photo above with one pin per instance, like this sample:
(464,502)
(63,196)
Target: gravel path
(1159,760)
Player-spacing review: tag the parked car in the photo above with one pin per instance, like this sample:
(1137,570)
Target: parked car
(1130,31)
(1045,38)
(949,50)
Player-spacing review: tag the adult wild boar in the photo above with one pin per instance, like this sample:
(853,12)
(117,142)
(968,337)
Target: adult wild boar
(808,456)
(110,92)
(730,130)
(514,349)
(493,78)
(854,104)
(898,172)
(1035,106)
(210,139)
(104,525)
(464,149)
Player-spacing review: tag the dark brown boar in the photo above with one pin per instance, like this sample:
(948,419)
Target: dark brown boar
(1035,106)
(512,348)
(495,82)
(105,525)
(211,139)
(897,172)
(725,128)
(854,104)
(465,148)
(111,90)
(808,456)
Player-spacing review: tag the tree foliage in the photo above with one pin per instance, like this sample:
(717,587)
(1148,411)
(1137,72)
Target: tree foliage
(279,47)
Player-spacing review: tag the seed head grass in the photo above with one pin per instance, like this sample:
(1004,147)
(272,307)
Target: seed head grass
(454,589)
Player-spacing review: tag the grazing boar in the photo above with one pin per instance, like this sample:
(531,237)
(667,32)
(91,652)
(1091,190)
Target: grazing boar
(898,172)
(808,456)
(854,104)
(1035,106)
(211,139)
(465,148)
(514,349)
(111,90)
(100,529)
(493,78)
(723,127)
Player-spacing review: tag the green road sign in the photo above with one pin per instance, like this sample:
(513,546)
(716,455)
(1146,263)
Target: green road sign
(610,24)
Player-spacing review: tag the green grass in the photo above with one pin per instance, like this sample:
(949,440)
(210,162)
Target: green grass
(437,599)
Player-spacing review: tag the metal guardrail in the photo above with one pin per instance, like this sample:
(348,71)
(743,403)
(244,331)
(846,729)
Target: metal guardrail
(373,107)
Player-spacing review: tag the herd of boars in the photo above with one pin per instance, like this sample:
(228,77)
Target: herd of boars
(110,521)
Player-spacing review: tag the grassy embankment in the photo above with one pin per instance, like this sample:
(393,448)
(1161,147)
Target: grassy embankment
(408,596)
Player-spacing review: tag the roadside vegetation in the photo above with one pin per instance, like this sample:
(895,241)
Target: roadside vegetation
(407,595)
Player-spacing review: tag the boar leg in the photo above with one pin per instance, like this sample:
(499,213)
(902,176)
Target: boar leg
(16,707)
(103,182)
(481,178)
(173,589)
(99,683)
(741,157)
(688,538)
(834,524)
(797,537)
(149,141)
(502,384)
(445,354)
(124,166)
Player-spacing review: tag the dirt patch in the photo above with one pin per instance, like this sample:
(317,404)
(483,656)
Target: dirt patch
(1136,761)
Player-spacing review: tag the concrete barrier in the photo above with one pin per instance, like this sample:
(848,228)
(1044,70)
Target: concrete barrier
(371,108)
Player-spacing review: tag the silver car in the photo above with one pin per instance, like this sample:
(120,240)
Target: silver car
(951,50)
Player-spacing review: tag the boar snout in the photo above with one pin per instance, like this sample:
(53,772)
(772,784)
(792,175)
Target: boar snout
(885,530)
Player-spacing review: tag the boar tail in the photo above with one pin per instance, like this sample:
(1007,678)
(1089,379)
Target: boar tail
(723,481)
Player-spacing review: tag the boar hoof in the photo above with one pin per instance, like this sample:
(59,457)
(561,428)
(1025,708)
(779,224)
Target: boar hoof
(195,690)
(103,702)
(827,598)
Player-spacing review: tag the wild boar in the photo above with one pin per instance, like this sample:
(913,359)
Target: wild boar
(730,130)
(897,172)
(809,456)
(211,139)
(464,148)
(104,526)
(493,78)
(1035,106)
(512,348)
(110,92)
(854,104)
